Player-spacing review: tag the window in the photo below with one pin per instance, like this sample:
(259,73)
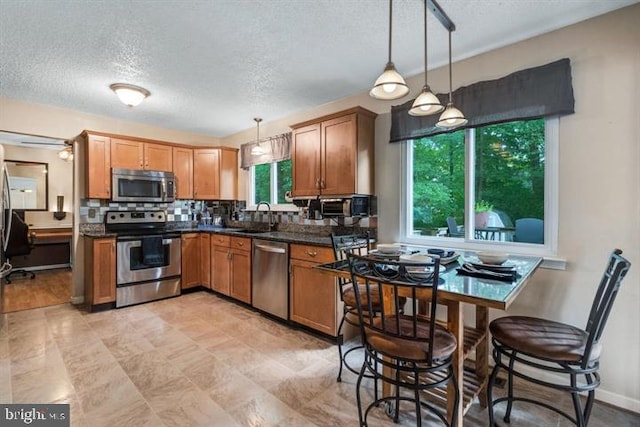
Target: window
(494,184)
(270,182)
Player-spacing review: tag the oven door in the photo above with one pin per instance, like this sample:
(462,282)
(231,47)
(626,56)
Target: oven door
(134,266)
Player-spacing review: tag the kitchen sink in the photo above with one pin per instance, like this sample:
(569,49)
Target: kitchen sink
(253,231)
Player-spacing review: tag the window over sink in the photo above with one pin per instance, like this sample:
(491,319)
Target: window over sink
(270,182)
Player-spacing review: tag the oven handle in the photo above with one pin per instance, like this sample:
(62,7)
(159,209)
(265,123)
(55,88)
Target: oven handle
(166,238)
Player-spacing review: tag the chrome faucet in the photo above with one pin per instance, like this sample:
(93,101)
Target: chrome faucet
(269,214)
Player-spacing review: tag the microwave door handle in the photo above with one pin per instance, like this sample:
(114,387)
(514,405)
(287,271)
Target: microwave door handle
(164,189)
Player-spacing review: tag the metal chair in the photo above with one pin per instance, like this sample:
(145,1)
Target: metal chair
(453,228)
(414,351)
(557,348)
(342,245)
(529,230)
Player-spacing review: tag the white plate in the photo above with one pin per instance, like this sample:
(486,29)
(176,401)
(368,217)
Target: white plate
(418,258)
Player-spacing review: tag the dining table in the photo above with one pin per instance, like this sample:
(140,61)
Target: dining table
(454,292)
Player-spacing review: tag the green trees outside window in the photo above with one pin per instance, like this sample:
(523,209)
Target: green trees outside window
(508,174)
(267,182)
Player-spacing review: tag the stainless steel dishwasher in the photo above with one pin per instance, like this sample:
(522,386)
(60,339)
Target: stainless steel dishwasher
(271,277)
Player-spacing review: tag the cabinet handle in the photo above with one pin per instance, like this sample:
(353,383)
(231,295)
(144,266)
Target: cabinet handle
(240,243)
(312,253)
(317,183)
(322,184)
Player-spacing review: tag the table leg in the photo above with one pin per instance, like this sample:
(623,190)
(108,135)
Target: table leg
(482,353)
(455,324)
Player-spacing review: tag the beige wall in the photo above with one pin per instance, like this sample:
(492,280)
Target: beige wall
(599,172)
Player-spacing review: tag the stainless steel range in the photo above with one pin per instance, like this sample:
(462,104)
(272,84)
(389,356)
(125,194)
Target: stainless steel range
(148,257)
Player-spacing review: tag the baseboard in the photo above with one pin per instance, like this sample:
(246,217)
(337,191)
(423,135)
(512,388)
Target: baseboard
(77,300)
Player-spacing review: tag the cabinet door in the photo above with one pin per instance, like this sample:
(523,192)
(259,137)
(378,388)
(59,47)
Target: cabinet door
(228,174)
(338,164)
(190,261)
(206,173)
(126,154)
(98,167)
(221,269)
(305,161)
(100,270)
(205,260)
(313,297)
(158,157)
(183,170)
(241,275)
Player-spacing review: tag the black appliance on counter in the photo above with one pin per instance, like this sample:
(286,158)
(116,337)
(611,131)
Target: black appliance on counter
(148,256)
(354,206)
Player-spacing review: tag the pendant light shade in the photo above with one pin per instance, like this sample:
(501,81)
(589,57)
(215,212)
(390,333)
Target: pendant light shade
(426,103)
(451,117)
(257,149)
(390,84)
(129,94)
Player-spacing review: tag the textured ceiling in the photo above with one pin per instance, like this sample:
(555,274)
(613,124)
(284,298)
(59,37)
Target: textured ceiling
(212,66)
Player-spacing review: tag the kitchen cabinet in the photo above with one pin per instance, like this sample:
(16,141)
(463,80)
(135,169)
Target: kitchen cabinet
(314,299)
(240,269)
(334,155)
(183,170)
(220,265)
(231,266)
(215,173)
(99,271)
(205,259)
(190,260)
(131,154)
(98,166)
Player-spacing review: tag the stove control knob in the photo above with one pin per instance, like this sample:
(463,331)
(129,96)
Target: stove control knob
(121,215)
(113,217)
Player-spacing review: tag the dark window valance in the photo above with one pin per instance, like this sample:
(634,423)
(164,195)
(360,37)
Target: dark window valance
(532,93)
(277,148)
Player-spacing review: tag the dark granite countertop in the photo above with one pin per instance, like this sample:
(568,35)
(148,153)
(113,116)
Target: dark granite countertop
(279,236)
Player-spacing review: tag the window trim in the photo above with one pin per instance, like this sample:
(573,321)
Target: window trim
(551,198)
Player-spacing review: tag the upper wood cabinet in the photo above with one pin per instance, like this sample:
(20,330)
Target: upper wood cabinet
(334,155)
(183,170)
(130,154)
(215,173)
(97,166)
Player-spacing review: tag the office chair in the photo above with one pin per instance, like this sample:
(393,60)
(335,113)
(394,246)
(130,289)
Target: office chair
(19,245)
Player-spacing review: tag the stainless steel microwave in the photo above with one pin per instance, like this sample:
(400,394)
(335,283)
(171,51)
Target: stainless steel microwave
(130,185)
(356,206)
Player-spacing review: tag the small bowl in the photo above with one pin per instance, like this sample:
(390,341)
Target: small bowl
(388,248)
(495,258)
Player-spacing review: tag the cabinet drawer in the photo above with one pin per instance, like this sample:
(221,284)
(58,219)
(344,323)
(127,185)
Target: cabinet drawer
(220,240)
(241,243)
(317,254)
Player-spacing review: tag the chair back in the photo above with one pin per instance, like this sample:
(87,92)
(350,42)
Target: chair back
(18,243)
(616,270)
(402,286)
(529,230)
(357,244)
(452,225)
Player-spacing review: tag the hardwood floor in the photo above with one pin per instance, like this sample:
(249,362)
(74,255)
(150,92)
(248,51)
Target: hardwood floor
(49,287)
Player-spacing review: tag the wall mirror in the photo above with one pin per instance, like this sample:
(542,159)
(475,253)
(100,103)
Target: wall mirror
(28,185)
(38,173)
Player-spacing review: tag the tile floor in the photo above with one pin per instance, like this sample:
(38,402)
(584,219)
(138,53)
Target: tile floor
(194,360)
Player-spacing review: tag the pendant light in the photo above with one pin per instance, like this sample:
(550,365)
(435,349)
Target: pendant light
(257,149)
(426,103)
(390,84)
(451,117)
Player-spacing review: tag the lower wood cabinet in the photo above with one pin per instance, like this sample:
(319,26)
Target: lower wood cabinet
(220,264)
(205,259)
(99,271)
(314,299)
(190,260)
(240,270)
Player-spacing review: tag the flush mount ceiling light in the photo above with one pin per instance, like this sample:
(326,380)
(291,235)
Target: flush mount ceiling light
(426,103)
(451,117)
(129,94)
(390,84)
(257,149)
